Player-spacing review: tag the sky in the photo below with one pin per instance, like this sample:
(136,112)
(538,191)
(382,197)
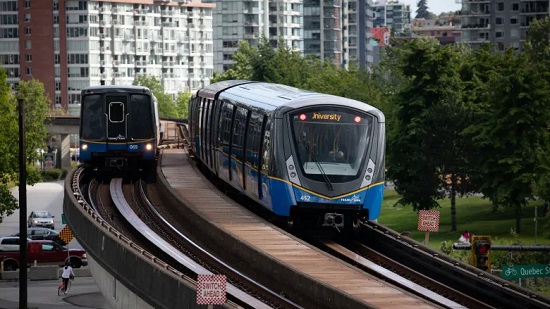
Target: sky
(435,6)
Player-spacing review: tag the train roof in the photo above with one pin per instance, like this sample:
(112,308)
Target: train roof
(211,91)
(270,97)
(116,88)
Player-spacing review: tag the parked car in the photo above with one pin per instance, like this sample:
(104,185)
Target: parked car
(41,218)
(44,252)
(43,233)
(10,243)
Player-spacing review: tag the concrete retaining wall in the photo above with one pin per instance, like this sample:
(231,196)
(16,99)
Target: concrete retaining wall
(122,267)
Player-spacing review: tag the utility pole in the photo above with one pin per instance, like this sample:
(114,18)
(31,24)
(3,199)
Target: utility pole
(22,208)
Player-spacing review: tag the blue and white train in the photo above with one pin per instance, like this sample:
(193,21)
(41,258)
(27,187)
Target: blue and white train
(119,128)
(311,158)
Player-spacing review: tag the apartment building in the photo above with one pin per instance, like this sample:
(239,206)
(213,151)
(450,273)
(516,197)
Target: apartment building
(69,45)
(324,30)
(237,20)
(504,22)
(357,33)
(393,15)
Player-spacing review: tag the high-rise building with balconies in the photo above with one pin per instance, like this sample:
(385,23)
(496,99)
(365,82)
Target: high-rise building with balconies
(237,20)
(504,22)
(357,34)
(393,15)
(323,30)
(69,45)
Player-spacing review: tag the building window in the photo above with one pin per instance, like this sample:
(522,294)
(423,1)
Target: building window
(28,57)
(513,21)
(27,4)
(29,71)
(57,86)
(57,99)
(498,34)
(56,59)
(498,21)
(27,18)
(515,7)
(27,30)
(55,5)
(28,44)
(56,19)
(500,6)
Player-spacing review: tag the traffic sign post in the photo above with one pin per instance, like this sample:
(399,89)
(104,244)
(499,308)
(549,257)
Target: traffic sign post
(211,289)
(428,221)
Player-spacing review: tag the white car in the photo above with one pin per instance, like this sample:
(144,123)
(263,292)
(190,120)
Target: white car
(9,243)
(42,218)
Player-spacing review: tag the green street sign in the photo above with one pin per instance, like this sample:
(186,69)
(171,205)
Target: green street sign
(525,271)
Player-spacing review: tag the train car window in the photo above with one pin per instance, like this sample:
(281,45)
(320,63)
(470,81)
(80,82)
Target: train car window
(92,118)
(254,140)
(335,139)
(116,112)
(140,118)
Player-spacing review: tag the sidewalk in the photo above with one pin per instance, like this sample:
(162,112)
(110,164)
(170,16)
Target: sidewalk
(43,295)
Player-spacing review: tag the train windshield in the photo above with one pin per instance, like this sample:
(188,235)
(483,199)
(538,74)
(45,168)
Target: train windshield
(140,120)
(331,143)
(93,119)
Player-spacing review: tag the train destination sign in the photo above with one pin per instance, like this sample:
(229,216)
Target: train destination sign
(330,116)
(526,271)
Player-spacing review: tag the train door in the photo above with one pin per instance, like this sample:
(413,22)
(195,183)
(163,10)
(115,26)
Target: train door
(237,152)
(253,151)
(207,129)
(116,113)
(202,129)
(265,160)
(212,132)
(224,139)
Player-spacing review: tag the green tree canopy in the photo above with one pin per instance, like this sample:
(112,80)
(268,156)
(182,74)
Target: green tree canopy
(167,108)
(425,135)
(36,107)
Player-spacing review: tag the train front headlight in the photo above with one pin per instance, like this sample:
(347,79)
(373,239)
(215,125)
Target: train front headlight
(84,146)
(148,147)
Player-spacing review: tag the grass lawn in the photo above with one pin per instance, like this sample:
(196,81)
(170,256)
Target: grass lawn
(474,214)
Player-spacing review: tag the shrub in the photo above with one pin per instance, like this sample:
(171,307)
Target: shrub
(54,174)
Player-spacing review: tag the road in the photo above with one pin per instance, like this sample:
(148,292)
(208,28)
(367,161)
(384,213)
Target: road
(41,196)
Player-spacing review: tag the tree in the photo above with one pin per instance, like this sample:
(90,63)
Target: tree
(427,121)
(242,64)
(182,104)
(422,10)
(167,108)
(508,131)
(537,47)
(36,106)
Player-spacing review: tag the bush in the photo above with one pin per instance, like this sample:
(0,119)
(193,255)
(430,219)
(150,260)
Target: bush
(54,174)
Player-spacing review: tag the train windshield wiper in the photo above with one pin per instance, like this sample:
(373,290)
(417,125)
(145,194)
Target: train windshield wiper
(325,177)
